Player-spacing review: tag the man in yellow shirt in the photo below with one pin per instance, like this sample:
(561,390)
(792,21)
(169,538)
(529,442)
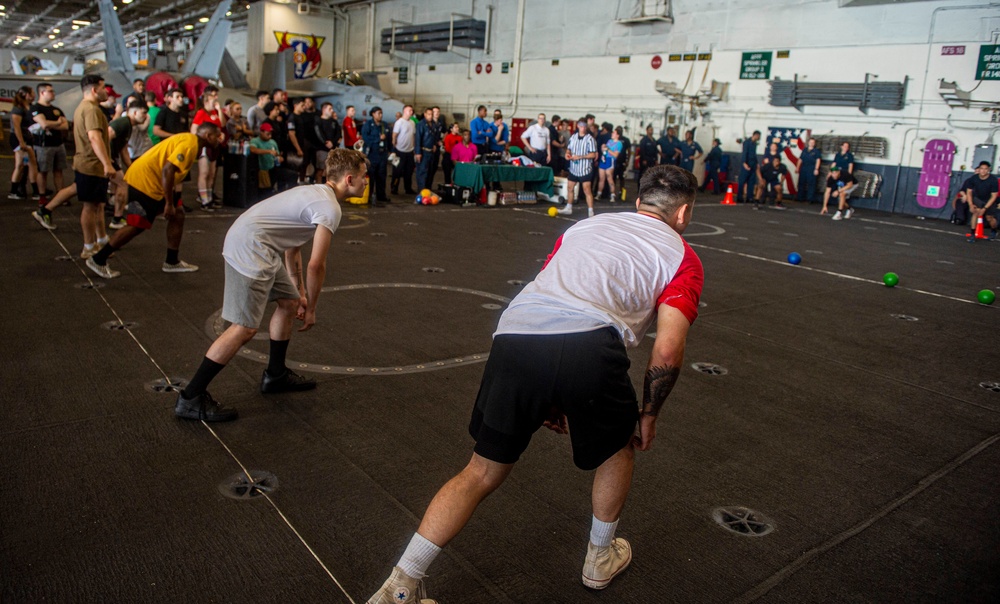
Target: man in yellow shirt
(151,181)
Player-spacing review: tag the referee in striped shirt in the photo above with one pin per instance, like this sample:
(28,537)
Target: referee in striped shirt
(581,151)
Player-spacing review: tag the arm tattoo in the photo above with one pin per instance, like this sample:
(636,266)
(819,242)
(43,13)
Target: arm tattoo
(657,386)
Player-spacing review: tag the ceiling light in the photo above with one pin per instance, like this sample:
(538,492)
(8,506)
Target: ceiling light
(45,50)
(203,20)
(80,22)
(52,36)
(126,1)
(189,27)
(55,30)
(2,7)
(76,27)
(229,12)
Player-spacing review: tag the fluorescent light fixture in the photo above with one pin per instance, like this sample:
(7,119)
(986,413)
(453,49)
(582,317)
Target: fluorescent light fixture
(2,7)
(203,20)
(52,36)
(189,27)
(45,50)
(80,22)
(283,1)
(55,30)
(229,12)
(75,27)
(126,1)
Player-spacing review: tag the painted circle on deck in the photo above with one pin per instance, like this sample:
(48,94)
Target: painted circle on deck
(715,231)
(357,221)
(215,325)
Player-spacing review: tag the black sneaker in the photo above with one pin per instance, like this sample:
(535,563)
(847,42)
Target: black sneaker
(203,407)
(286,382)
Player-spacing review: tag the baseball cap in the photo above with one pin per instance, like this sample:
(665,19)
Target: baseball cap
(265,127)
(111,91)
(835,168)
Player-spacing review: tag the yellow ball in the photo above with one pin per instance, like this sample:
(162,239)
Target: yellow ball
(426,193)
(553,211)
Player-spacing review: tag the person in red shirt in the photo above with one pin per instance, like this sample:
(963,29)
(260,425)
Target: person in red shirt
(211,112)
(350,129)
(450,140)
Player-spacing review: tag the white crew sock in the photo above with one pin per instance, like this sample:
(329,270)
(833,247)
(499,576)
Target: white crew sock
(88,246)
(102,241)
(602,533)
(418,556)
(590,212)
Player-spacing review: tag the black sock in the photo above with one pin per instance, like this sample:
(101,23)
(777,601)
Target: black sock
(205,374)
(102,256)
(172,256)
(276,362)
(44,211)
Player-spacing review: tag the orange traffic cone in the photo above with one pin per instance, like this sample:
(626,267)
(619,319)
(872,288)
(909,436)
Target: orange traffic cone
(728,199)
(979,230)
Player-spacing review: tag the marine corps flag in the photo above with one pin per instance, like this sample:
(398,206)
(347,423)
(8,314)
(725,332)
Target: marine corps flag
(306,47)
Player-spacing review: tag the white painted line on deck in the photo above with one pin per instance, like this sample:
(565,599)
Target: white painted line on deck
(831,273)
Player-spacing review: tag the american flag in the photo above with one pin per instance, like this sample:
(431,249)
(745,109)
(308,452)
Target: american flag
(791,142)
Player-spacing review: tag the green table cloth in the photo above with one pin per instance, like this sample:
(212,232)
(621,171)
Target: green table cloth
(475,176)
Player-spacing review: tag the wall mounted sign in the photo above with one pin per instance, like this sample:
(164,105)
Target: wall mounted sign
(756,65)
(988,67)
(306,51)
(656,62)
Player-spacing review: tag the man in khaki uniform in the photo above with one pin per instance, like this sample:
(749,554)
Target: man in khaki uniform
(92,162)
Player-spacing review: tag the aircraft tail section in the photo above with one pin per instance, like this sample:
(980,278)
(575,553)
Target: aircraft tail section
(116,53)
(206,57)
(231,74)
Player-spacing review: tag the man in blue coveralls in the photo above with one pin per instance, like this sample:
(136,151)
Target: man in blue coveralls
(748,168)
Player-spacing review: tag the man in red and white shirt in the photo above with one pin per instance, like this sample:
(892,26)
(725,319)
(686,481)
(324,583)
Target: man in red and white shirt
(559,359)
(211,112)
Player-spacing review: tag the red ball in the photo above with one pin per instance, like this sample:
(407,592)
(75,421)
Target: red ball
(426,201)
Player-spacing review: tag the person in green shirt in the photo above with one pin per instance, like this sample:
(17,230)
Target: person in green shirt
(268,156)
(153,110)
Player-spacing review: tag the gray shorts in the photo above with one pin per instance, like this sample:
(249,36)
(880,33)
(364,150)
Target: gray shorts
(245,299)
(51,158)
(321,158)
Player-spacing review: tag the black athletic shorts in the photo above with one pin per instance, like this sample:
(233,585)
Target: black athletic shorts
(91,189)
(582,375)
(142,209)
(585,178)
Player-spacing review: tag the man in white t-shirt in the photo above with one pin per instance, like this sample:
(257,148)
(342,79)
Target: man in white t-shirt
(403,141)
(264,263)
(536,141)
(559,359)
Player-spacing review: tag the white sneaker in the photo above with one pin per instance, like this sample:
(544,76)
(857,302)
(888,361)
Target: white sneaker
(44,220)
(85,253)
(605,563)
(102,271)
(400,588)
(838,216)
(116,223)
(565,210)
(848,213)
(180,267)
(590,212)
